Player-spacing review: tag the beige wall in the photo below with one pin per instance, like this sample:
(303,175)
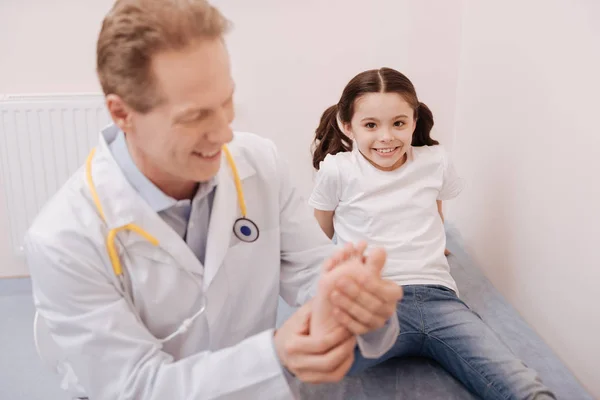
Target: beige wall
(49,46)
(527,141)
(45,47)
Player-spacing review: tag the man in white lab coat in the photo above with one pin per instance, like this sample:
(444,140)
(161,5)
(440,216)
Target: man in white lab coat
(149,283)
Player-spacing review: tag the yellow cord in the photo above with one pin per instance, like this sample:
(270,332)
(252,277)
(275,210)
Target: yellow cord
(113,254)
(236,179)
(90,182)
(111,247)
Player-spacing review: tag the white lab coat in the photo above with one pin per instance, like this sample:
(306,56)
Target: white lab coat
(111,343)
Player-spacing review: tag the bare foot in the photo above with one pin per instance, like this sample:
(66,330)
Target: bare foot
(344,254)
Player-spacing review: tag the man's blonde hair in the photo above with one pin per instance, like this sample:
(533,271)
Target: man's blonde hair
(135,30)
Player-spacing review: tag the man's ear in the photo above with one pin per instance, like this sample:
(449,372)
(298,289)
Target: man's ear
(119,111)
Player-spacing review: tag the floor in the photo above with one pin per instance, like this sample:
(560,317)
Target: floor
(22,375)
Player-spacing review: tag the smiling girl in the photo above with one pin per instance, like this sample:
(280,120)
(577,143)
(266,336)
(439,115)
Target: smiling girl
(382,179)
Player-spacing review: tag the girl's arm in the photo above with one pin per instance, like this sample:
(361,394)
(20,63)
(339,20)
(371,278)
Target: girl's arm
(440,210)
(325,219)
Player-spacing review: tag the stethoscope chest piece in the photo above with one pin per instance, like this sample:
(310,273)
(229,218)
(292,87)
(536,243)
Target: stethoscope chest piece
(245,230)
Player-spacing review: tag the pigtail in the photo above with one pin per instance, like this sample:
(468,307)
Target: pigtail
(329,138)
(421,136)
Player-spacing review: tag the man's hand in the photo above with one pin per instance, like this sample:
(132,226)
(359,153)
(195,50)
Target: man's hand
(364,301)
(312,359)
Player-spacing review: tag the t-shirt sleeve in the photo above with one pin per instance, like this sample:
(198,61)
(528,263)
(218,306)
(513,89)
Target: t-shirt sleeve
(452,184)
(326,192)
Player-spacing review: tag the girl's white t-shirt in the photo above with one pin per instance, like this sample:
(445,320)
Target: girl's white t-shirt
(396,210)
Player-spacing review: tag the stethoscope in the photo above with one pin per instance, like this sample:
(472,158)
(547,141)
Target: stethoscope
(243,228)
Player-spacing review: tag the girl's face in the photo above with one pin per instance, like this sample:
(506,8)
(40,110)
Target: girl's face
(382,127)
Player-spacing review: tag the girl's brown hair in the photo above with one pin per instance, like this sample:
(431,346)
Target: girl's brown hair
(329,139)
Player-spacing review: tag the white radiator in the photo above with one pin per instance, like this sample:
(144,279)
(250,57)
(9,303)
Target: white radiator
(43,140)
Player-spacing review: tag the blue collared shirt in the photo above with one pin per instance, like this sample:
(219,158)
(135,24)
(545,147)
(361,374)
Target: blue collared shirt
(189,218)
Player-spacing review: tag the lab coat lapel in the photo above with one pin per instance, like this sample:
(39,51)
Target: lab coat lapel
(122,205)
(168,240)
(225,211)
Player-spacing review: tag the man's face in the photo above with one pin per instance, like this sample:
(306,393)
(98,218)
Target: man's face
(180,140)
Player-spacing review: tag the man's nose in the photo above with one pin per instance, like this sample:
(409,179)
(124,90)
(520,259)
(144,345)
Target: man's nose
(221,131)
(223,135)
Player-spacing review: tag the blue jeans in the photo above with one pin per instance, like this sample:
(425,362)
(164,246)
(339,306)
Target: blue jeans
(435,323)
